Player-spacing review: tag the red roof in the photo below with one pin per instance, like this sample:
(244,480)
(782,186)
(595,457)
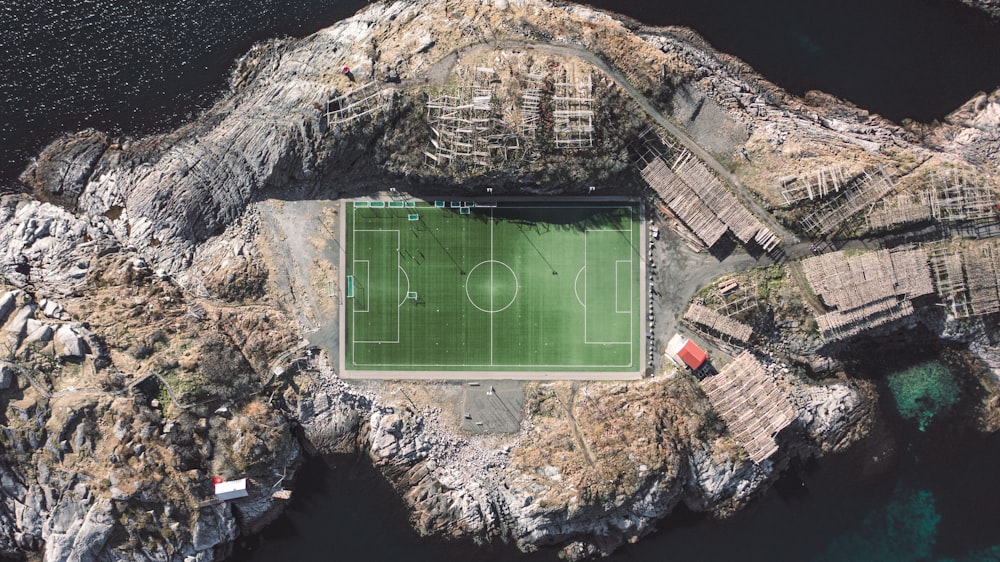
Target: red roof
(692,355)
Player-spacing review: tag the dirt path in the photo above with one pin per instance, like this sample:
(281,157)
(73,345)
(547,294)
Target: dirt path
(568,406)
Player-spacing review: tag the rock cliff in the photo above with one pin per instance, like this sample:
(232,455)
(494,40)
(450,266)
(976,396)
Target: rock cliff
(534,489)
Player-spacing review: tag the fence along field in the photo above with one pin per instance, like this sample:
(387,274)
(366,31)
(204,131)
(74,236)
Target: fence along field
(452,286)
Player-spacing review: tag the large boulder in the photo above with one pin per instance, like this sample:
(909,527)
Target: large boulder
(215,525)
(7,302)
(45,246)
(19,324)
(69,344)
(38,332)
(6,375)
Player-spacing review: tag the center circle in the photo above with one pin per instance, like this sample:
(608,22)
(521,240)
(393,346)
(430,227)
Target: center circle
(491,286)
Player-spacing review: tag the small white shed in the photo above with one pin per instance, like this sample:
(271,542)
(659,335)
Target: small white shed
(231,490)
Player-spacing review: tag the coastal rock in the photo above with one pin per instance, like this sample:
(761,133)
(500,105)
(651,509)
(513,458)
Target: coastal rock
(215,525)
(38,332)
(331,416)
(85,540)
(19,324)
(731,480)
(7,375)
(165,202)
(973,130)
(7,303)
(46,246)
(396,437)
(180,189)
(62,170)
(834,415)
(69,344)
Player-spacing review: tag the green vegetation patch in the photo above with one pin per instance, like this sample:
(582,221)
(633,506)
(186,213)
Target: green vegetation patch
(923,391)
(509,287)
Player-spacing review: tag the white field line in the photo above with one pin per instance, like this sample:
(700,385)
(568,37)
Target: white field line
(631,288)
(512,365)
(586,289)
(492,308)
(628,270)
(354,342)
(368,274)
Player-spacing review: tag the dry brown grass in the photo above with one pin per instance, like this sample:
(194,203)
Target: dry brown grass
(598,436)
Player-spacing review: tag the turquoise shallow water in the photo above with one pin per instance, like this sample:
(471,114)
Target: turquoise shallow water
(133,67)
(904,529)
(924,391)
(904,494)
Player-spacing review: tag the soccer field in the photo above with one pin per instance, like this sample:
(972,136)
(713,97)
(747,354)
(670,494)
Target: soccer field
(508,287)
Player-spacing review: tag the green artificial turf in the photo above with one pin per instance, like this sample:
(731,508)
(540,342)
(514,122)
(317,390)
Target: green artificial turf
(497,289)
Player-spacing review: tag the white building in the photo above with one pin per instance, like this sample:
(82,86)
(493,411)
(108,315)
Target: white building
(231,490)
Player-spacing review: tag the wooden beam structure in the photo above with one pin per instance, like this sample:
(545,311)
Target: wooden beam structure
(356,103)
(531,102)
(967,276)
(753,405)
(867,290)
(700,200)
(863,192)
(982,273)
(684,202)
(744,225)
(826,181)
(912,270)
(466,129)
(905,208)
(573,111)
(955,197)
(838,325)
(719,325)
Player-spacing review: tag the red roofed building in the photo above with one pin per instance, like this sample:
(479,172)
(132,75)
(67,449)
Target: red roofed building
(682,351)
(692,355)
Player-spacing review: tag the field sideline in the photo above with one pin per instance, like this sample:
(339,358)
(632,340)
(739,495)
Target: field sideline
(502,289)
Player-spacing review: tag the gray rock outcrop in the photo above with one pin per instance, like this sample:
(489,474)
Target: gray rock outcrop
(62,170)
(157,200)
(69,344)
(7,375)
(459,487)
(215,525)
(46,246)
(7,303)
(176,191)
(19,324)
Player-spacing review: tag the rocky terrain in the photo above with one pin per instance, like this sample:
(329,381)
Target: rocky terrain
(161,327)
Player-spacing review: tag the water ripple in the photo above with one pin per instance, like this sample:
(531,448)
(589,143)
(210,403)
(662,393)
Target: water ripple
(127,66)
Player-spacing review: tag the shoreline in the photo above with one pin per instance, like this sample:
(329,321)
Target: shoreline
(200,254)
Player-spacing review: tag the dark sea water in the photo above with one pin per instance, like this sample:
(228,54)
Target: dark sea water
(916,59)
(138,66)
(127,66)
(145,65)
(903,494)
